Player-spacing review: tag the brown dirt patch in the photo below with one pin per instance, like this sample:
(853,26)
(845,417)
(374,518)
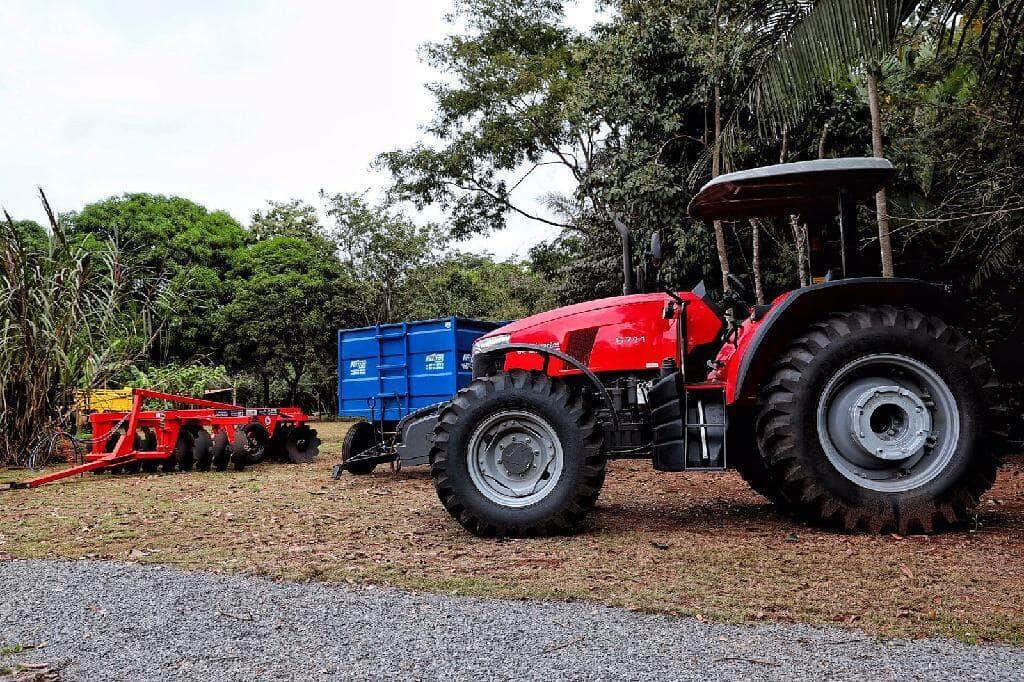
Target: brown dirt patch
(698,544)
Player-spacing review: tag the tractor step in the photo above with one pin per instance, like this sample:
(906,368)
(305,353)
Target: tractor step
(689,424)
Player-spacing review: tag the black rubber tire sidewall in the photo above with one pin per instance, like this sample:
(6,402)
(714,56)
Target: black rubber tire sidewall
(564,505)
(810,482)
(359,437)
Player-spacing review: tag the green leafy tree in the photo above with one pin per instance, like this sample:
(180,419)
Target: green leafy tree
(289,296)
(185,251)
(31,235)
(191,379)
(506,105)
(627,109)
(475,287)
(293,218)
(381,248)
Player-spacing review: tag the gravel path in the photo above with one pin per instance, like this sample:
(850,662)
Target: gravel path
(111,621)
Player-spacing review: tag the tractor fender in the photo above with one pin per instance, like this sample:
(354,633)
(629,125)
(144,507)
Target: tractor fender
(488,359)
(790,316)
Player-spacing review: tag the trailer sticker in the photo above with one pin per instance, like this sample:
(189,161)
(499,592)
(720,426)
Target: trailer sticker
(435,362)
(467,361)
(357,368)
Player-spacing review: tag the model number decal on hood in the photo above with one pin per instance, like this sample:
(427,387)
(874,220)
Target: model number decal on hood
(629,340)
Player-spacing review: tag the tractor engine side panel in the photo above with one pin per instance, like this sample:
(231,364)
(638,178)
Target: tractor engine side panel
(631,336)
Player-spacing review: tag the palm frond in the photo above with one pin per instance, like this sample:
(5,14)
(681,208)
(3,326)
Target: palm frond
(821,47)
(834,35)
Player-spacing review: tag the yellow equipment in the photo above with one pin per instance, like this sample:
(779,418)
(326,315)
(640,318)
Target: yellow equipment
(103,400)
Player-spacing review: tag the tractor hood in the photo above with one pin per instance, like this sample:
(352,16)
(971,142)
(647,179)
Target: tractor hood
(586,307)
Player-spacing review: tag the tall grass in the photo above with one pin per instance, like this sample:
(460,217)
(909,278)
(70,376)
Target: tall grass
(66,322)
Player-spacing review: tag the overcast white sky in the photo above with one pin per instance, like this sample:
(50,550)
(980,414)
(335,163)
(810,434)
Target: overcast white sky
(227,102)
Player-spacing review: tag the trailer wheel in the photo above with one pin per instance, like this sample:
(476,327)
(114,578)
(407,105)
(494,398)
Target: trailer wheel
(517,454)
(359,438)
(875,419)
(220,453)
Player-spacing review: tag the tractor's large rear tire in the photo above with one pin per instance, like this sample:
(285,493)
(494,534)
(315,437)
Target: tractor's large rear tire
(746,457)
(517,454)
(876,419)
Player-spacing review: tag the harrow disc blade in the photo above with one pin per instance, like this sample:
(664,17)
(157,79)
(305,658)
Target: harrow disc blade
(202,450)
(220,452)
(302,445)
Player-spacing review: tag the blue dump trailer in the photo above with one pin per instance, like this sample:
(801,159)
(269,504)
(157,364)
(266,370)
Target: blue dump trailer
(394,377)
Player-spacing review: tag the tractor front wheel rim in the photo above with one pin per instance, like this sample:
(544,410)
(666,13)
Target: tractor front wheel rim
(515,458)
(888,423)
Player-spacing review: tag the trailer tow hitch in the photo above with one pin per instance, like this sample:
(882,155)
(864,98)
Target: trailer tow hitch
(382,453)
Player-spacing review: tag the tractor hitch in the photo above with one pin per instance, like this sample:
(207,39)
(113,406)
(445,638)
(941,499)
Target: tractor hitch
(382,453)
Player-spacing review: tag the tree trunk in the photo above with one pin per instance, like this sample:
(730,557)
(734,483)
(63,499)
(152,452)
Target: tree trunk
(881,200)
(293,388)
(799,229)
(800,239)
(716,170)
(755,227)
(266,389)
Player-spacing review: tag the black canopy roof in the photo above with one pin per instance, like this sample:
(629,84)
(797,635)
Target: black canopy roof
(806,187)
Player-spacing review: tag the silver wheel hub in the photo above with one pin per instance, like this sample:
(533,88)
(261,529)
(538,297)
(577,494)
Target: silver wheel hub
(515,458)
(888,422)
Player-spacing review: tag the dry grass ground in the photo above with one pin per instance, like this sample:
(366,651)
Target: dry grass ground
(695,544)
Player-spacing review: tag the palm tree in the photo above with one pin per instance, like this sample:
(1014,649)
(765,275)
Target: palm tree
(836,35)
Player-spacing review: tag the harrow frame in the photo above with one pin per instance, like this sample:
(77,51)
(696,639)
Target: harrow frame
(166,425)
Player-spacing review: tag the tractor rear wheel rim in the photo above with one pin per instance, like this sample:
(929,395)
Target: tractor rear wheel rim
(888,423)
(515,458)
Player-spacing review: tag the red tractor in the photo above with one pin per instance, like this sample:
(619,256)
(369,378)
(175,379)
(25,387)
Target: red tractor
(852,403)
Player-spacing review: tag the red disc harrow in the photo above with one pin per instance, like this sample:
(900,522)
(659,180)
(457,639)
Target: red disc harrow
(207,434)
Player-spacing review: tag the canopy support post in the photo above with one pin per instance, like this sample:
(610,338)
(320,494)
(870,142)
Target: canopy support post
(848,234)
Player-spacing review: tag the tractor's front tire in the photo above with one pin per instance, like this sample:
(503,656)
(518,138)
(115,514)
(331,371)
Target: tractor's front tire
(875,419)
(517,454)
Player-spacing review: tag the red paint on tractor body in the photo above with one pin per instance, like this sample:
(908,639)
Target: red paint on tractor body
(620,334)
(629,334)
(735,348)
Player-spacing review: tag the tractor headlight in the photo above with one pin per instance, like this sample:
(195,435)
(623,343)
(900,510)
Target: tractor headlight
(489,342)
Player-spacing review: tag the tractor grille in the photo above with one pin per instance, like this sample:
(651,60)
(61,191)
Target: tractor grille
(580,342)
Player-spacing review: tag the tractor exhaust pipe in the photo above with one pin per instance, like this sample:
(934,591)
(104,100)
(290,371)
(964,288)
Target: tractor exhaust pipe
(628,285)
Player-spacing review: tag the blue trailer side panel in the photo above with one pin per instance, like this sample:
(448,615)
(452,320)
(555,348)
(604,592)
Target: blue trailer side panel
(387,371)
